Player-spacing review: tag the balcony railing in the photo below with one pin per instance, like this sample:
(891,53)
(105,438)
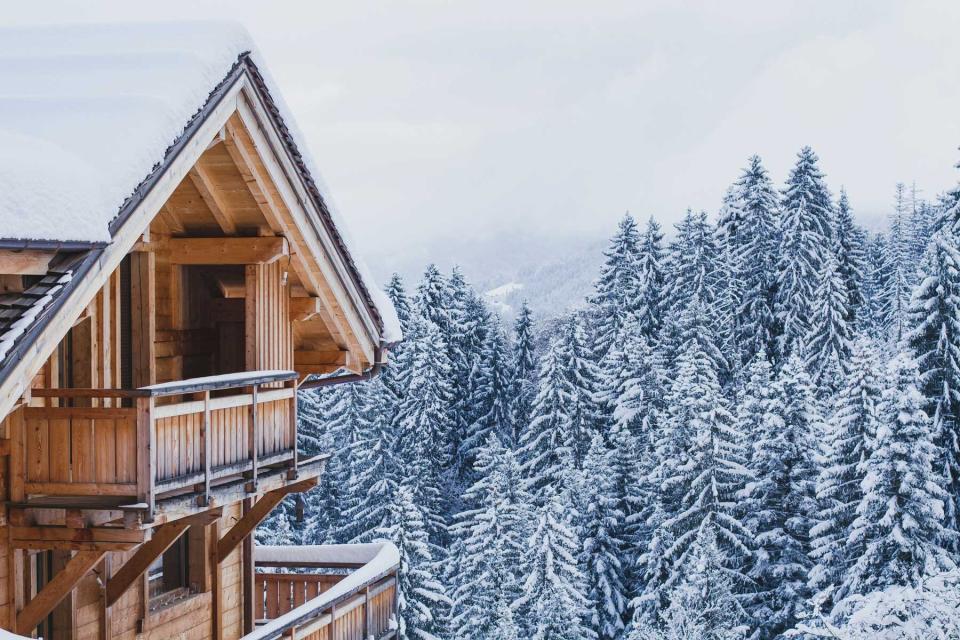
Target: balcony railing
(165,440)
(321,601)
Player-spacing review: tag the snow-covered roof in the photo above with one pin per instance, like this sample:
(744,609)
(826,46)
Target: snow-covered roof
(87,112)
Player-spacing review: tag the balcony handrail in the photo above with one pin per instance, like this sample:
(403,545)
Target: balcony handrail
(379,560)
(178,387)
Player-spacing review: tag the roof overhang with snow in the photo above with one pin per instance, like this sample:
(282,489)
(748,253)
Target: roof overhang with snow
(98,127)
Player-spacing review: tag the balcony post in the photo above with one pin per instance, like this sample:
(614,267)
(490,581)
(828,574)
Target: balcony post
(146,455)
(253,431)
(293,424)
(367,614)
(205,447)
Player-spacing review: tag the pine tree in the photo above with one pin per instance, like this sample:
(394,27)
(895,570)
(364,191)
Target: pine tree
(424,424)
(546,446)
(780,500)
(756,261)
(523,368)
(702,468)
(828,339)
(491,399)
(493,538)
(899,278)
(935,341)
(604,548)
(397,293)
(420,595)
(552,603)
(583,386)
(849,246)
(851,436)
(651,270)
(900,518)
(805,241)
(616,292)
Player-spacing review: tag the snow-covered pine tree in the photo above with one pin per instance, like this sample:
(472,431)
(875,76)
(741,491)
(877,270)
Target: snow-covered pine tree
(756,261)
(873,317)
(397,293)
(546,446)
(616,291)
(378,469)
(731,233)
(900,276)
(633,383)
(934,338)
(651,266)
(702,468)
(603,555)
(491,398)
(850,436)
(780,501)
(523,369)
(493,538)
(899,522)
(806,238)
(424,423)
(850,250)
(828,339)
(553,604)
(421,598)
(583,380)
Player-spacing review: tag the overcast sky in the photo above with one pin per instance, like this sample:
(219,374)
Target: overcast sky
(434,119)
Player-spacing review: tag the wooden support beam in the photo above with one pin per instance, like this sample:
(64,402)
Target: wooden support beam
(204,182)
(302,309)
(25,262)
(64,582)
(255,515)
(247,250)
(174,226)
(90,538)
(332,357)
(257,184)
(163,537)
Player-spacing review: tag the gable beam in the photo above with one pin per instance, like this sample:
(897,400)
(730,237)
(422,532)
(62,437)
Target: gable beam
(243,250)
(55,591)
(255,182)
(203,181)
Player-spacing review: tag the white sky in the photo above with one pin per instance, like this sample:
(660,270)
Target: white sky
(431,119)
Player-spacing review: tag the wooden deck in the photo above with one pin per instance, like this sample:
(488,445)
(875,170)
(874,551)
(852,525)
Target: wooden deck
(134,448)
(328,602)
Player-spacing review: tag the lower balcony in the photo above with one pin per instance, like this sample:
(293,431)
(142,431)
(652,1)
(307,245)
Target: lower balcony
(328,592)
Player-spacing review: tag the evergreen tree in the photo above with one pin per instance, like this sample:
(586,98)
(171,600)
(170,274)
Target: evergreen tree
(552,602)
(523,368)
(493,537)
(830,333)
(805,241)
(616,292)
(604,548)
(849,245)
(780,500)
(756,260)
(546,447)
(420,595)
(935,341)
(491,399)
(900,517)
(651,268)
(583,386)
(851,435)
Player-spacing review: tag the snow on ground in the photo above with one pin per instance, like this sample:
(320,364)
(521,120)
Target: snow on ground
(497,297)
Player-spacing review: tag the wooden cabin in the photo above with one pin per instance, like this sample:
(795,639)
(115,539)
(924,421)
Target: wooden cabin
(171,274)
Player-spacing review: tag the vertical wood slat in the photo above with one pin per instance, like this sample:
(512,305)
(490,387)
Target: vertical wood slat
(146,454)
(16,426)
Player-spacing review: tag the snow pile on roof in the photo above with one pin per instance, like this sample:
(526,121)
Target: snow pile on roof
(87,112)
(6,635)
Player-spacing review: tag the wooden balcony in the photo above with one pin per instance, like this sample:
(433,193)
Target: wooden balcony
(159,451)
(329,592)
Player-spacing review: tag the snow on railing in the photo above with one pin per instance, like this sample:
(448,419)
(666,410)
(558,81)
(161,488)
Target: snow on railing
(376,561)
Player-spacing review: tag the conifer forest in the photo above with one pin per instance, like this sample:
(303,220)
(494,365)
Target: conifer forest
(750,429)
